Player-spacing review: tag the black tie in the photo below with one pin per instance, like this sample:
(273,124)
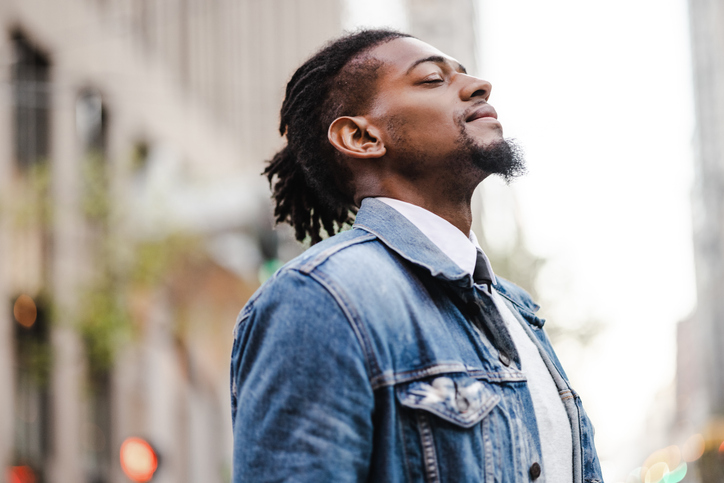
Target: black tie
(491,321)
(494,326)
(481,274)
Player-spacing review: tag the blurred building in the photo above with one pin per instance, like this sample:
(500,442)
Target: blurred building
(707,31)
(121,122)
(700,363)
(707,22)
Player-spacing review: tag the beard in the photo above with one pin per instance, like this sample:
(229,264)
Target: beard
(503,158)
(470,161)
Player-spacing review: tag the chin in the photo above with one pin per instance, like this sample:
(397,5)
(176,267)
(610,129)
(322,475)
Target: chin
(490,141)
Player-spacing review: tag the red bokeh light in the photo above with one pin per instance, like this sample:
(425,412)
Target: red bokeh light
(138,459)
(25,313)
(21,474)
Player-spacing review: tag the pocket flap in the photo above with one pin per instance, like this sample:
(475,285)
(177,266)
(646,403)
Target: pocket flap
(459,399)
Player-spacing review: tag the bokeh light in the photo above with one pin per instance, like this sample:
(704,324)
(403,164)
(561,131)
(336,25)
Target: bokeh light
(721,448)
(666,465)
(677,474)
(657,465)
(671,456)
(656,473)
(25,311)
(21,474)
(693,448)
(138,459)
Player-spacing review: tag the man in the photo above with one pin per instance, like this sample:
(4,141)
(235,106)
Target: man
(390,352)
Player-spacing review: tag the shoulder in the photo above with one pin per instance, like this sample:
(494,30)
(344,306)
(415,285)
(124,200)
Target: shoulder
(344,262)
(303,310)
(318,275)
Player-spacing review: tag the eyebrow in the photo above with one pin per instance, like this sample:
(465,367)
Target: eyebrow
(437,59)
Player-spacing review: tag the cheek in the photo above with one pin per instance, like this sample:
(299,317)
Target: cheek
(420,125)
(437,135)
(431,125)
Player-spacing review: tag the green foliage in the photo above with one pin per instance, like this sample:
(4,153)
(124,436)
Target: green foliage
(155,259)
(32,206)
(104,325)
(104,321)
(95,202)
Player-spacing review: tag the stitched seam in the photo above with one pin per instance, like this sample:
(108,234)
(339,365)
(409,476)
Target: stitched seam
(360,333)
(387,379)
(322,257)
(488,451)
(432,474)
(581,463)
(507,376)
(454,417)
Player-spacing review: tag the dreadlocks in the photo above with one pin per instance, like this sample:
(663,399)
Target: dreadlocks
(312,188)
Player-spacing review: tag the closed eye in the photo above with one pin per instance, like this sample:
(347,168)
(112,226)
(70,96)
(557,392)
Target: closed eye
(432,80)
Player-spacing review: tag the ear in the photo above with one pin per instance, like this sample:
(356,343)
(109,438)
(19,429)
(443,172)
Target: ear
(356,137)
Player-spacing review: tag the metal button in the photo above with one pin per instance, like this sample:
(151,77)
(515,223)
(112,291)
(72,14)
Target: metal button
(504,359)
(534,471)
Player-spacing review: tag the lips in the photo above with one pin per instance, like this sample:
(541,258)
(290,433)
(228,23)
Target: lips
(482,112)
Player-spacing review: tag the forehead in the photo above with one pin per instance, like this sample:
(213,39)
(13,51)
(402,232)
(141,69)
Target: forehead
(400,54)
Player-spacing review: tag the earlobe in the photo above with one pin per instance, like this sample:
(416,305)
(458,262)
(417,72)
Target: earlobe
(355,137)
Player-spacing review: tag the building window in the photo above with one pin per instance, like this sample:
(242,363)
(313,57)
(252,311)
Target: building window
(90,122)
(31,102)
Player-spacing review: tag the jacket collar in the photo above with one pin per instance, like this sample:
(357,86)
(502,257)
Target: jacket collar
(404,238)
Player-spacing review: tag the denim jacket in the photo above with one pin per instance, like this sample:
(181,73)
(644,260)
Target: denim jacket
(357,362)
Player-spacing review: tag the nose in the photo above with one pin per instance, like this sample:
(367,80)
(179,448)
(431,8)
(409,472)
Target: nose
(475,88)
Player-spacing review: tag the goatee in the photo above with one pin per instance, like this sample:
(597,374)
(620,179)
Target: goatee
(504,157)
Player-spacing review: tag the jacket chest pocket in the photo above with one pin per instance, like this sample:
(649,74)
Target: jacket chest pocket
(446,430)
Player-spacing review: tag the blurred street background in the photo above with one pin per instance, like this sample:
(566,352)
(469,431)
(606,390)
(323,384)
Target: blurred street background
(134,223)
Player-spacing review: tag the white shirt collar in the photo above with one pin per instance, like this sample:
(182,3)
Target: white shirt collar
(452,242)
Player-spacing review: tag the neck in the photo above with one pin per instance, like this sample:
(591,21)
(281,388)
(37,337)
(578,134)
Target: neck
(452,205)
(457,214)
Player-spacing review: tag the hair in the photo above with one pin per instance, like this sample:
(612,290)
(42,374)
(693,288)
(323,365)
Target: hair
(311,187)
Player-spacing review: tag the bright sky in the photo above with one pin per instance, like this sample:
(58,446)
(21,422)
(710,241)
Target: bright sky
(599,95)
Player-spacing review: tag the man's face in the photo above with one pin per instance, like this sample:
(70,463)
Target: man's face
(430,111)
